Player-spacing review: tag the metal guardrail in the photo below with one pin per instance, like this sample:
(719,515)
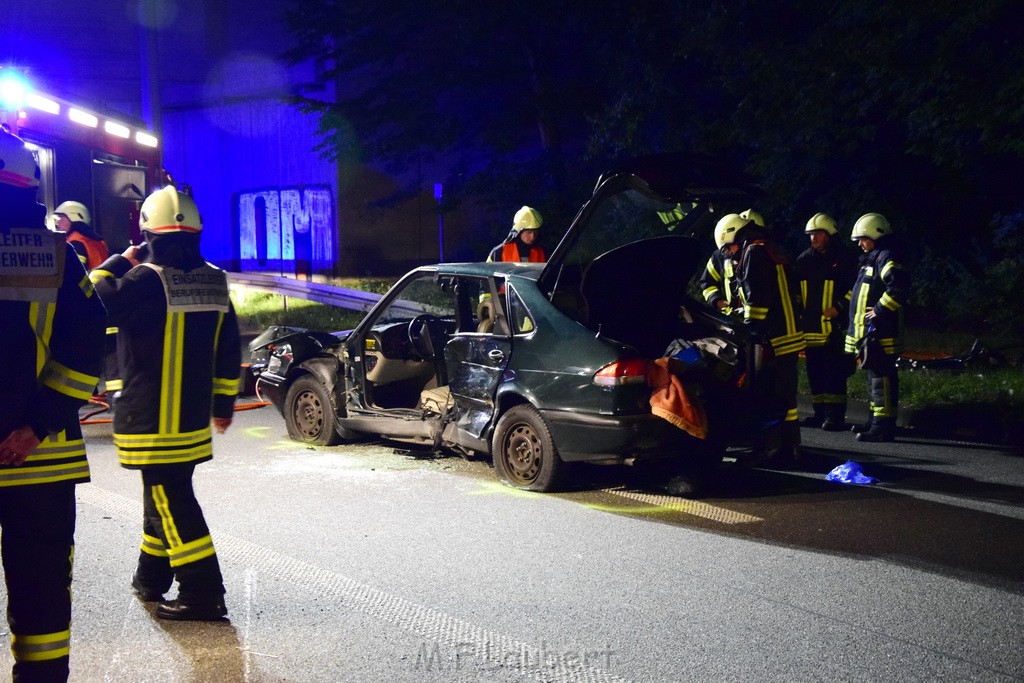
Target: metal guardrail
(332,295)
(350,299)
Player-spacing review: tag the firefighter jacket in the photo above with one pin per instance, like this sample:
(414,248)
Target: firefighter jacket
(53,325)
(89,246)
(882,286)
(180,356)
(769,299)
(718,281)
(825,279)
(517,251)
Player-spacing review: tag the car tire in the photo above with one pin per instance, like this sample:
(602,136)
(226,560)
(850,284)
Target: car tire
(524,452)
(309,414)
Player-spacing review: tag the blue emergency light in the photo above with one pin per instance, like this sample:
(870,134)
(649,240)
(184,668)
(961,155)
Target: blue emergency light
(13,86)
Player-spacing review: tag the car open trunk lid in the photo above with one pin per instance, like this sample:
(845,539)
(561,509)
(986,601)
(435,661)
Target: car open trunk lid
(623,266)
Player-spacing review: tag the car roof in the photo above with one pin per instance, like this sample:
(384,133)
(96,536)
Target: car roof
(529,271)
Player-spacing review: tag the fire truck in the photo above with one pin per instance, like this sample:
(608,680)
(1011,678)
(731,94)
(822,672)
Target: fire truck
(109,163)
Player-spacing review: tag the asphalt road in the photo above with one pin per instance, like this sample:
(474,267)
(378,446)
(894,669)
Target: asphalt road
(360,563)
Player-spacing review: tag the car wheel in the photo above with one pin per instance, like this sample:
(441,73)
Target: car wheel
(524,453)
(309,413)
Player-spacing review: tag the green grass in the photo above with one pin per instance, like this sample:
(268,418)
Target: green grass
(999,390)
(257,311)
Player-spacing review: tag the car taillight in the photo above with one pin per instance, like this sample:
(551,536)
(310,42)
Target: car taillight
(632,371)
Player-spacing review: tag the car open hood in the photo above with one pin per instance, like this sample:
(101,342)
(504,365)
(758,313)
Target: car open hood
(623,266)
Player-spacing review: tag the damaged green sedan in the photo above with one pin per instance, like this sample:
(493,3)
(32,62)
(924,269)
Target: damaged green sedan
(599,355)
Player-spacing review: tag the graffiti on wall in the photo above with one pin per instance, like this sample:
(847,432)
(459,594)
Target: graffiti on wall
(287,230)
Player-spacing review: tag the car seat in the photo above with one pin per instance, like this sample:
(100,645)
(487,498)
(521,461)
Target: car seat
(485,312)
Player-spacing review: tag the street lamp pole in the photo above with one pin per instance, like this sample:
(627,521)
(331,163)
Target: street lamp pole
(439,195)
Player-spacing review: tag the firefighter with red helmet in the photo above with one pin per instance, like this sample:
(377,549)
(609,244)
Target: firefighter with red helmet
(180,357)
(521,243)
(73,219)
(53,330)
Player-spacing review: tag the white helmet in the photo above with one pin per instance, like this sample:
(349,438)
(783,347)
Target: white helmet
(526,219)
(75,211)
(821,221)
(727,227)
(751,215)
(18,166)
(168,210)
(872,226)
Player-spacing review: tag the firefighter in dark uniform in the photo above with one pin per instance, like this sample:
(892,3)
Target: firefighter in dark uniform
(876,322)
(825,272)
(718,283)
(180,357)
(521,243)
(767,290)
(52,323)
(74,220)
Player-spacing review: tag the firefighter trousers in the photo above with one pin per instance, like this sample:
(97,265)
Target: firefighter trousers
(884,388)
(38,548)
(828,369)
(780,385)
(176,542)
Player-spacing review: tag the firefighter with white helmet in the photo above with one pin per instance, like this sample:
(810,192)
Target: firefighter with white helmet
(825,272)
(767,292)
(718,284)
(73,219)
(521,243)
(181,361)
(53,341)
(876,321)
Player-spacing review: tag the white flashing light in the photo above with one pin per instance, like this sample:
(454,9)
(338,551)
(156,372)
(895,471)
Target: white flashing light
(83,117)
(145,139)
(42,103)
(12,91)
(117,129)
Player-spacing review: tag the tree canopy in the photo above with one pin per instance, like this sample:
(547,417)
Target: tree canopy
(912,109)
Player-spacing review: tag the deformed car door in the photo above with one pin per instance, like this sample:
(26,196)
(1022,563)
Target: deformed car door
(476,360)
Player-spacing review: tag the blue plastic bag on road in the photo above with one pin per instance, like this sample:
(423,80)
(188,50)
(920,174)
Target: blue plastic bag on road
(849,473)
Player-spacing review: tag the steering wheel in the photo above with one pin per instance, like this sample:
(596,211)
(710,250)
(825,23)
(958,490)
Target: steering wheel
(425,334)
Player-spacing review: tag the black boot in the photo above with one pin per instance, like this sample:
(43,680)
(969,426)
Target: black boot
(175,610)
(146,593)
(863,428)
(814,421)
(883,430)
(835,420)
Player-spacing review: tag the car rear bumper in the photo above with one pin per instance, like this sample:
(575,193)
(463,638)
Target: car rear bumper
(615,438)
(271,388)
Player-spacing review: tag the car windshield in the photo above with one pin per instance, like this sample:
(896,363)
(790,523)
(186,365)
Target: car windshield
(424,294)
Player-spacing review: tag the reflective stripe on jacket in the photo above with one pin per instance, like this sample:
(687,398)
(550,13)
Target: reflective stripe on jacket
(53,326)
(181,359)
(769,303)
(718,281)
(825,279)
(882,286)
